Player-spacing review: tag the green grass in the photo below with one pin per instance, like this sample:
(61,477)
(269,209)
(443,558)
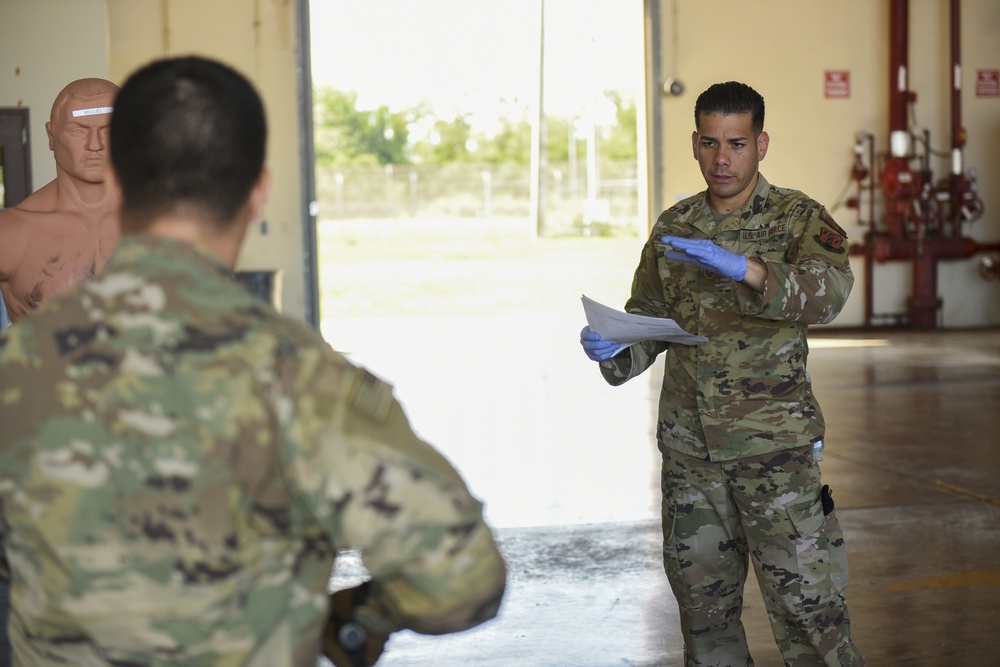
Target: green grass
(465,266)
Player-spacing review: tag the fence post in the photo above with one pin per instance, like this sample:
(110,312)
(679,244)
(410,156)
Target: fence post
(389,200)
(338,179)
(487,194)
(414,198)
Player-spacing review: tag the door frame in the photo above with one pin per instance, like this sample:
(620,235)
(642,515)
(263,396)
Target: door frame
(15,141)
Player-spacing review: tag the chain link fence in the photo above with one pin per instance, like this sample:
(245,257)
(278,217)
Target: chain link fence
(481,191)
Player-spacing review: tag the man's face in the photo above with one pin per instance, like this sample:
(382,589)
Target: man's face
(79,136)
(728,154)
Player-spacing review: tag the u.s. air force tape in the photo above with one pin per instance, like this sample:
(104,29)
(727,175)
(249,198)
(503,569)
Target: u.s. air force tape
(371,397)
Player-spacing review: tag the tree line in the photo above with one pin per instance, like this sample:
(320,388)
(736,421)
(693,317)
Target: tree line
(347,135)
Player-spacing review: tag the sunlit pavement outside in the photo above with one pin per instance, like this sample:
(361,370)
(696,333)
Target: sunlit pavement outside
(509,397)
(564,463)
(566,467)
(519,409)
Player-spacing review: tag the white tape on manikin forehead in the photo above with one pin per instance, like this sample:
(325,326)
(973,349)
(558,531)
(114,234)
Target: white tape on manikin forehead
(91,112)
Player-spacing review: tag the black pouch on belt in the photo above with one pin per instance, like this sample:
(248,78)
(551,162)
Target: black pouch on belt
(826,496)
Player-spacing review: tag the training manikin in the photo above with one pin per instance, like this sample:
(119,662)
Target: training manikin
(65,231)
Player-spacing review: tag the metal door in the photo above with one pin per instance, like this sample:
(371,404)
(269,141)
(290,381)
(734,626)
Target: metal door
(15,167)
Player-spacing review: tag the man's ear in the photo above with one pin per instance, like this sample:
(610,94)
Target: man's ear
(48,131)
(259,195)
(694,144)
(762,142)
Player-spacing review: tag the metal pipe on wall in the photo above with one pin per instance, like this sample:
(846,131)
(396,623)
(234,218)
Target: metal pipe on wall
(899,96)
(922,223)
(957,131)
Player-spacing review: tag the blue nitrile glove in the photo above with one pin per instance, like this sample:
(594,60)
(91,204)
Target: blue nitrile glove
(706,255)
(597,348)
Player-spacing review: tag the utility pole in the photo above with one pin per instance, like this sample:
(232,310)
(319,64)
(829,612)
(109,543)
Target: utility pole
(538,162)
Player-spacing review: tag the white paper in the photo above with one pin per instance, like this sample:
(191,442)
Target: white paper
(628,329)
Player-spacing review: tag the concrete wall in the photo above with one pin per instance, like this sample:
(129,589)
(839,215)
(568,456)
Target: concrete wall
(45,44)
(782,48)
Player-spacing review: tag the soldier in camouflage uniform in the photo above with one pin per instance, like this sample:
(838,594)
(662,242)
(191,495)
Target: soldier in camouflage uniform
(749,266)
(179,464)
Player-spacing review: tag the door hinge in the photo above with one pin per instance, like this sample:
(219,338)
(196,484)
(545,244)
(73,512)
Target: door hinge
(24,136)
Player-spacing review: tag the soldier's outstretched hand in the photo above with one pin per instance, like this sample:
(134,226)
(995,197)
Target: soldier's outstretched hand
(705,254)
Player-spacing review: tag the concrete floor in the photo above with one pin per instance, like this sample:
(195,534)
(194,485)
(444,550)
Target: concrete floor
(567,468)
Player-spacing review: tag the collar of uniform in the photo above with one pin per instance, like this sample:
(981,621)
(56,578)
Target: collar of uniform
(748,217)
(165,253)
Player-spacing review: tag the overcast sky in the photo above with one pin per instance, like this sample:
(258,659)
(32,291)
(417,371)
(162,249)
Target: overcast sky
(471,56)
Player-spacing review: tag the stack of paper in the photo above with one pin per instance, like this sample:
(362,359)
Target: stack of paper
(629,329)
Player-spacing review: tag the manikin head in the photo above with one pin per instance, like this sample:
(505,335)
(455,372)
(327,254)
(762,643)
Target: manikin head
(78,128)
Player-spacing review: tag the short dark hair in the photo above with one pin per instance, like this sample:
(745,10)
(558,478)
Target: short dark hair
(187,136)
(732,97)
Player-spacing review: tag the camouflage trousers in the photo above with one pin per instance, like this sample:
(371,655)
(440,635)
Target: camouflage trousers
(768,510)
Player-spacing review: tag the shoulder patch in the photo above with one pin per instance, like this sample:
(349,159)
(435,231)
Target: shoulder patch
(830,240)
(830,236)
(371,397)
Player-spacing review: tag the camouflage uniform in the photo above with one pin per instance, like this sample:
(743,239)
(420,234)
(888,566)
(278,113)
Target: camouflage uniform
(179,465)
(737,419)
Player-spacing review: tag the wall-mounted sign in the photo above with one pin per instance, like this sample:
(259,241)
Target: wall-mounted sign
(837,83)
(988,83)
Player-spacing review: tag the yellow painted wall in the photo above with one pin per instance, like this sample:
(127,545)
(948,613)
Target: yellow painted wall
(53,42)
(782,48)
(258,38)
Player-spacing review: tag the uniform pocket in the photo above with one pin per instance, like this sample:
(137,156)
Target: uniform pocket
(820,557)
(807,516)
(802,555)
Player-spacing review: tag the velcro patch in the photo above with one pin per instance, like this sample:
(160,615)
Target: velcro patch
(371,397)
(830,240)
(830,236)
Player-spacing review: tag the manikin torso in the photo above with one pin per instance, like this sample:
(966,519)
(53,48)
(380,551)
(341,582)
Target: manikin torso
(51,251)
(64,232)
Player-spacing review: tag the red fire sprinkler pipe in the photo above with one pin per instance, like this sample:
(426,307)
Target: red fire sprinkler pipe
(945,241)
(957,131)
(912,230)
(899,45)
(927,252)
(897,180)
(958,184)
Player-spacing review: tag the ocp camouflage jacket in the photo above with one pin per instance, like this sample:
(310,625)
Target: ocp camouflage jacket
(746,391)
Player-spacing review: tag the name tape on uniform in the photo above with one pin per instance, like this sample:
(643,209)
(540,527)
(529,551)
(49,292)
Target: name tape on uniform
(764,233)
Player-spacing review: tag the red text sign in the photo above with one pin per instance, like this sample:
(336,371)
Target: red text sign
(837,83)
(988,83)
